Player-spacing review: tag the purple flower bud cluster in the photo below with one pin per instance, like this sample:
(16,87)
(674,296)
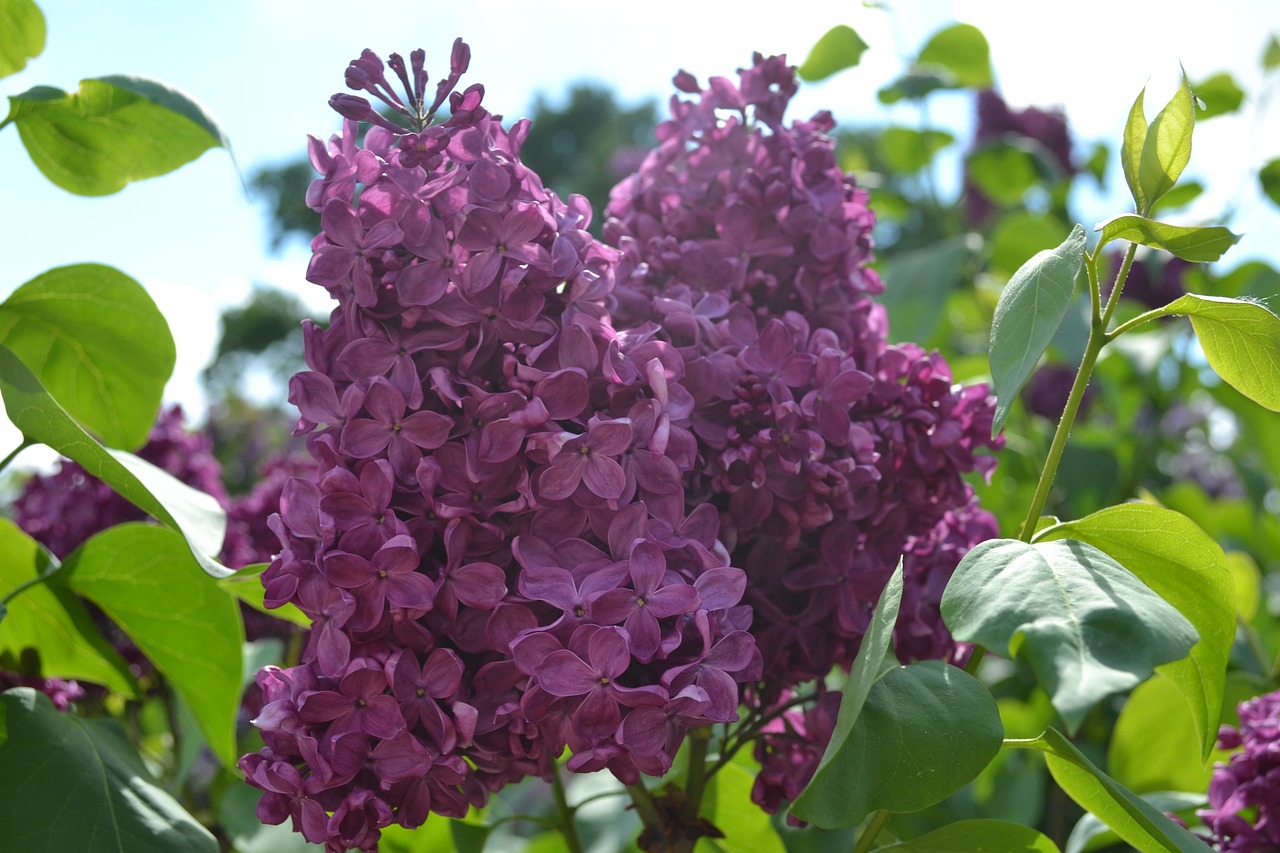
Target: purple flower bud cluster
(827,452)
(1244,793)
(498,552)
(61,692)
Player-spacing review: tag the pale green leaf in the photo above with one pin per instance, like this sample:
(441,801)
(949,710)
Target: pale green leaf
(22,33)
(1241,341)
(1167,148)
(839,48)
(978,836)
(963,51)
(97,343)
(1195,244)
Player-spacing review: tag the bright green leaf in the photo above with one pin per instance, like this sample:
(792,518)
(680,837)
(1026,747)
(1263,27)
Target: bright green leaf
(246,585)
(50,620)
(143,577)
(1271,55)
(434,836)
(1136,821)
(1269,178)
(1241,341)
(1087,626)
(1016,236)
(839,48)
(1220,95)
(1198,245)
(745,830)
(905,150)
(1090,833)
(22,24)
(925,731)
(468,837)
(963,51)
(112,131)
(1002,171)
(1135,138)
(1099,159)
(68,783)
(1167,148)
(238,818)
(917,283)
(1155,745)
(1175,558)
(1180,196)
(1030,309)
(1247,578)
(978,836)
(97,343)
(39,417)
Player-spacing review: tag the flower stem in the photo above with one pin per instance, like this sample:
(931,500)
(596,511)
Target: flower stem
(645,807)
(696,774)
(567,827)
(869,834)
(26,442)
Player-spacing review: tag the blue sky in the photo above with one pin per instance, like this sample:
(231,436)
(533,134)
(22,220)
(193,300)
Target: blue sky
(266,69)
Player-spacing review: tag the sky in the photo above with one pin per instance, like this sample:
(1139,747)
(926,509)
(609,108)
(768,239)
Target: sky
(266,68)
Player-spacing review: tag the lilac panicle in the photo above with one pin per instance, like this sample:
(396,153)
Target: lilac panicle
(1243,814)
(496,548)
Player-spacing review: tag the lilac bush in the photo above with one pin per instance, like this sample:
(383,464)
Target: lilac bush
(574,495)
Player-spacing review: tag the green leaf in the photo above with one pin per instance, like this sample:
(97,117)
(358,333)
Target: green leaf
(1220,95)
(1247,578)
(468,837)
(746,830)
(925,731)
(246,585)
(905,150)
(197,516)
(1180,196)
(1135,138)
(913,86)
(1175,558)
(963,51)
(68,783)
(22,23)
(1155,745)
(1133,819)
(1269,178)
(433,836)
(238,818)
(50,620)
(1090,833)
(1198,245)
(1167,148)
(839,48)
(1271,55)
(1028,313)
(917,283)
(143,577)
(1099,159)
(1087,626)
(97,343)
(1016,236)
(112,131)
(978,836)
(1004,170)
(1241,341)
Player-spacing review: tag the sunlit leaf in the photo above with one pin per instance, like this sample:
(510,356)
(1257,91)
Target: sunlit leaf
(53,622)
(1134,820)
(246,585)
(97,343)
(39,417)
(1030,309)
(1195,244)
(1271,54)
(1220,95)
(1003,171)
(1087,626)
(963,51)
(745,830)
(1247,578)
(1269,178)
(1180,196)
(978,836)
(112,131)
(1167,148)
(68,783)
(1135,138)
(1241,341)
(22,24)
(1155,745)
(1090,833)
(1177,560)
(839,48)
(144,578)
(906,150)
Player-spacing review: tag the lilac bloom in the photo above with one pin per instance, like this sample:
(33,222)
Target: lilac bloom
(330,611)
(358,705)
(652,597)
(346,256)
(494,237)
(588,459)
(391,351)
(402,437)
(774,359)
(391,577)
(417,689)
(591,676)
(838,387)
(361,508)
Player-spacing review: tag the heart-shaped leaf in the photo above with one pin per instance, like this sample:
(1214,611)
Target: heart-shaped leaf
(839,48)
(22,23)
(1241,341)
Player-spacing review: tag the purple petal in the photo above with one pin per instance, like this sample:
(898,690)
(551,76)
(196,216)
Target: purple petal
(428,430)
(603,476)
(721,589)
(562,478)
(562,673)
(363,438)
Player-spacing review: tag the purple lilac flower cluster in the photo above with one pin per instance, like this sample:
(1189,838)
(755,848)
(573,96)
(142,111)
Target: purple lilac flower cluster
(828,453)
(997,121)
(1244,793)
(496,553)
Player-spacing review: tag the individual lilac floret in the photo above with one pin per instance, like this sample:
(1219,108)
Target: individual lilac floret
(496,550)
(1244,794)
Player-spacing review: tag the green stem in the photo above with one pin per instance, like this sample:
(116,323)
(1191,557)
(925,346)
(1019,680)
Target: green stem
(696,774)
(567,827)
(53,569)
(645,808)
(1121,277)
(26,442)
(975,659)
(1096,341)
(1137,321)
(869,834)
